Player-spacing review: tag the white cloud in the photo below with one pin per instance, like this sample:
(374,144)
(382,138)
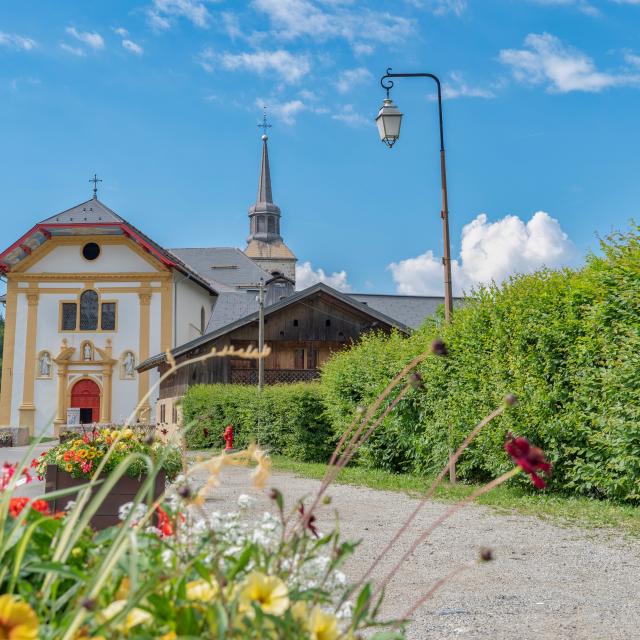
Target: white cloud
(90,38)
(350,78)
(562,68)
(457,7)
(286,112)
(292,19)
(632,58)
(17,42)
(132,47)
(162,13)
(306,276)
(457,87)
(289,66)
(121,31)
(74,51)
(490,252)
(350,116)
(16,83)
(582,5)
(362,49)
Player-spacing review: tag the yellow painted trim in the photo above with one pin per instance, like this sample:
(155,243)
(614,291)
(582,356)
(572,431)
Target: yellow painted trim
(80,241)
(145,338)
(80,289)
(8,353)
(27,409)
(120,276)
(101,301)
(166,316)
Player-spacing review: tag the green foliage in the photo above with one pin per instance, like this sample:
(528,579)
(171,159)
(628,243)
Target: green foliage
(567,343)
(287,419)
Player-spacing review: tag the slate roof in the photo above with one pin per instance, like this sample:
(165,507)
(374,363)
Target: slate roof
(226,267)
(90,211)
(320,287)
(410,310)
(229,306)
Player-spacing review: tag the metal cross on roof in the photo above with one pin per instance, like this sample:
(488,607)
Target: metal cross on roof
(264,125)
(95,181)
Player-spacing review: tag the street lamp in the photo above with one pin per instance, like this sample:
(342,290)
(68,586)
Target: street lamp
(388,120)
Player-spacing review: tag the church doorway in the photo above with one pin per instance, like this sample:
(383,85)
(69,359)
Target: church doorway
(85,395)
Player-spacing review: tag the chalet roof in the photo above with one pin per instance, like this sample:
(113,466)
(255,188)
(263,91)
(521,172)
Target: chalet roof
(227,267)
(92,217)
(410,310)
(320,287)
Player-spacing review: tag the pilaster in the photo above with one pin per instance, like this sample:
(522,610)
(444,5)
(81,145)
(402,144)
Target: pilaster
(8,352)
(145,330)
(27,408)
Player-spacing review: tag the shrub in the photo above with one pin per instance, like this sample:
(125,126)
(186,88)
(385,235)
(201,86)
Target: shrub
(567,343)
(287,419)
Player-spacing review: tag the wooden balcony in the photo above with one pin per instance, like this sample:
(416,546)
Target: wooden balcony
(273,376)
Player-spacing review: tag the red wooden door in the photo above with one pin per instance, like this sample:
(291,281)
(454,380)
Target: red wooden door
(86,395)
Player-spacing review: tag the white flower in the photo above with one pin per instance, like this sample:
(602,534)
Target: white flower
(166,556)
(125,509)
(244,501)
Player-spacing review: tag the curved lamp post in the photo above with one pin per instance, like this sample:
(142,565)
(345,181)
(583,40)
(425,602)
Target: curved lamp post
(389,119)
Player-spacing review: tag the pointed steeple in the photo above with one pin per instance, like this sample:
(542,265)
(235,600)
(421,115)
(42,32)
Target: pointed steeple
(264,215)
(264,184)
(265,245)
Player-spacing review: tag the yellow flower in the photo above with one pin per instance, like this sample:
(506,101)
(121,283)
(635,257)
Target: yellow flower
(201,590)
(300,612)
(133,618)
(18,620)
(69,467)
(268,592)
(169,636)
(322,625)
(123,590)
(127,433)
(91,454)
(263,470)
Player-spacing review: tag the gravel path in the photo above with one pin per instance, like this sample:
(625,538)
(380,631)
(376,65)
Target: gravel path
(546,581)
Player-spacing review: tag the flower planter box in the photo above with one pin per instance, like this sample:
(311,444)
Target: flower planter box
(123,491)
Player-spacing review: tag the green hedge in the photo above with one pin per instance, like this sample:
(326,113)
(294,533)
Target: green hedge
(566,342)
(287,419)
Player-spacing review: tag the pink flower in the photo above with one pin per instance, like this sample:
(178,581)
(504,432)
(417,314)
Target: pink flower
(86,466)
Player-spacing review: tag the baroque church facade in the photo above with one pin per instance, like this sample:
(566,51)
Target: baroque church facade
(90,298)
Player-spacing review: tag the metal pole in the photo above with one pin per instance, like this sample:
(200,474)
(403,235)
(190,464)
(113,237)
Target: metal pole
(261,335)
(444,213)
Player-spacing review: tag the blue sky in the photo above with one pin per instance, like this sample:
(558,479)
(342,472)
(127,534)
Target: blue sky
(161,99)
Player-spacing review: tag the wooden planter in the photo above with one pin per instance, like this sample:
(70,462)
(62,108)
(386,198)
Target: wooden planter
(124,491)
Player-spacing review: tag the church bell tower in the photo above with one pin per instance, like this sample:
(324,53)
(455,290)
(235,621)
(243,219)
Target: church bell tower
(265,245)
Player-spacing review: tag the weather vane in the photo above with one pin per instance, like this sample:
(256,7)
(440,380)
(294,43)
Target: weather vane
(95,181)
(264,125)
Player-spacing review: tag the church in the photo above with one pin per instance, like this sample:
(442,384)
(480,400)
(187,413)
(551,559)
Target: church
(93,305)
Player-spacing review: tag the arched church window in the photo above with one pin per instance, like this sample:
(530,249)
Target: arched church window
(262,224)
(272,225)
(89,310)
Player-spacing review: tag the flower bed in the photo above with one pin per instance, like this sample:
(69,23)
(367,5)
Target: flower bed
(80,456)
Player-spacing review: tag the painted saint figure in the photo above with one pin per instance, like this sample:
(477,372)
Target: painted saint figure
(45,365)
(128,365)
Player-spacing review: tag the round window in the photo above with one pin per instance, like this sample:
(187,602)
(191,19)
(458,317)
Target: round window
(90,251)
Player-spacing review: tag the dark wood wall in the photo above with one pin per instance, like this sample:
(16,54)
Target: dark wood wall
(317,326)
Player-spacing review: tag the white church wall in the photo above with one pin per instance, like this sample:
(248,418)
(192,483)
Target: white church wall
(189,300)
(17,369)
(46,400)
(113,258)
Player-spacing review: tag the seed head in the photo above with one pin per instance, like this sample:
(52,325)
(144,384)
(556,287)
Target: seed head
(439,348)
(359,409)
(184,491)
(415,380)
(89,604)
(150,439)
(510,400)
(486,554)
(326,500)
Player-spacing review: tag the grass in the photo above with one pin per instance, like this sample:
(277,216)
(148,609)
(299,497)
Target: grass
(559,509)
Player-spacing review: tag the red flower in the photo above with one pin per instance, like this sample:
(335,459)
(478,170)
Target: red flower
(531,459)
(164,523)
(16,505)
(8,471)
(309,521)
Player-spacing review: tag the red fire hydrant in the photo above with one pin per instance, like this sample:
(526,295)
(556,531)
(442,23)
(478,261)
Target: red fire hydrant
(228,437)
